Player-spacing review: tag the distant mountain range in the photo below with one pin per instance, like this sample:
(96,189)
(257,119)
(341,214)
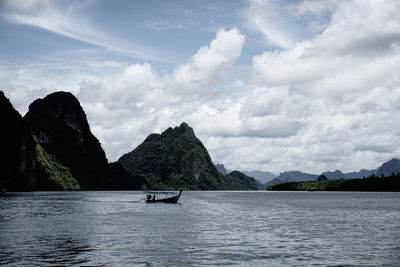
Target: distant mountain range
(386,169)
(292,176)
(262,177)
(374,183)
(267,178)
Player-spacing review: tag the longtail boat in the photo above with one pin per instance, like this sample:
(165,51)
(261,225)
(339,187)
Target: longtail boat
(154,197)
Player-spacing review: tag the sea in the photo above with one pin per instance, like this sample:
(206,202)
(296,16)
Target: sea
(206,228)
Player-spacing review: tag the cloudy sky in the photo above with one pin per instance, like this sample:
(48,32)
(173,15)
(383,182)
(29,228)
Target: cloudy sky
(272,85)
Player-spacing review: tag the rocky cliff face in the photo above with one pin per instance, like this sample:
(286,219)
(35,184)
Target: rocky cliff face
(61,127)
(177,159)
(17,153)
(24,165)
(60,124)
(173,159)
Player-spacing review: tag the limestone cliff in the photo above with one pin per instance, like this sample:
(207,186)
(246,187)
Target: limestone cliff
(177,159)
(62,129)
(17,153)
(24,165)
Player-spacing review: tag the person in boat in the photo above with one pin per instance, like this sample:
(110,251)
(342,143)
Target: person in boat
(154,197)
(148,197)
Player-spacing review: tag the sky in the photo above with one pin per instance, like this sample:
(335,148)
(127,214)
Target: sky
(272,85)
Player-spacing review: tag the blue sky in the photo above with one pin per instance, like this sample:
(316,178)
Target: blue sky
(159,31)
(308,85)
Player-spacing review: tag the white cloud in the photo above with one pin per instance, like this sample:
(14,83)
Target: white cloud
(209,67)
(282,25)
(153,102)
(358,51)
(265,17)
(344,79)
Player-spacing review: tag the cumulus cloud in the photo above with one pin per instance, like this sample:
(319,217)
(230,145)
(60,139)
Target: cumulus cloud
(361,39)
(209,66)
(344,77)
(152,102)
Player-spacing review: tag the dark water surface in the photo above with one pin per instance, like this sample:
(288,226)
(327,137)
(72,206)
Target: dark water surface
(207,228)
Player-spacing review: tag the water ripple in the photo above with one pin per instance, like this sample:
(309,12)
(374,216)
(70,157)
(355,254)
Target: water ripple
(206,229)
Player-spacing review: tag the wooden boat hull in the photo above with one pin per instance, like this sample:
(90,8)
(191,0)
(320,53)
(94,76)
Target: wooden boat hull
(172,200)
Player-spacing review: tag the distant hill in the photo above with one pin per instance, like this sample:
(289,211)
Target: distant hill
(262,176)
(340,175)
(221,169)
(177,159)
(389,168)
(237,180)
(246,180)
(371,183)
(292,176)
(335,175)
(386,169)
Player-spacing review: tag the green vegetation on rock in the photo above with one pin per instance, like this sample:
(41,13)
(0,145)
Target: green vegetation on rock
(52,174)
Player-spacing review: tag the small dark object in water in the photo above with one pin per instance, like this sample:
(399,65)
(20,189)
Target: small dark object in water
(173,199)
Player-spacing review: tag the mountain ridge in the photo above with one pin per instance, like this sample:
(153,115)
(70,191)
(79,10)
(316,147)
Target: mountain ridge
(386,169)
(177,159)
(263,177)
(24,165)
(61,127)
(59,122)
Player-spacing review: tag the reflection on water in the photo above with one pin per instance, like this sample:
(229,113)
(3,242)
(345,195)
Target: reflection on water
(207,228)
